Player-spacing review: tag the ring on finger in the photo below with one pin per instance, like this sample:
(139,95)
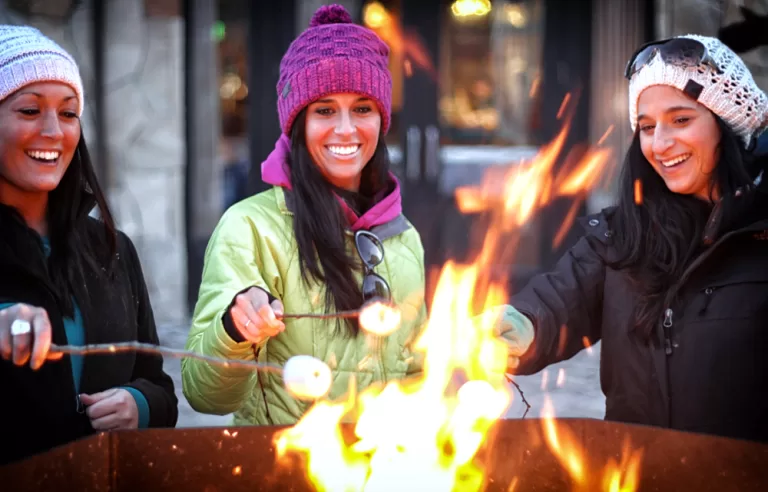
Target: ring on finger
(248,322)
(20,327)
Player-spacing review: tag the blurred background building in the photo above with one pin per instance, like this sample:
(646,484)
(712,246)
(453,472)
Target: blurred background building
(180,104)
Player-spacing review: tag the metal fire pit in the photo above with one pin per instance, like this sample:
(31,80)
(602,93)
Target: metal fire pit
(243,459)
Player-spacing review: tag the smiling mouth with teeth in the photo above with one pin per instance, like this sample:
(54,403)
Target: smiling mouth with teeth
(343,149)
(676,161)
(43,155)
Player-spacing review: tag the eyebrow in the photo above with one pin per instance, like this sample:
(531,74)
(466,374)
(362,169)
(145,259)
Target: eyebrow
(328,101)
(37,94)
(673,109)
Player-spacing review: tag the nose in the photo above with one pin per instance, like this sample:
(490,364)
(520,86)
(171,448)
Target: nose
(51,126)
(662,141)
(345,125)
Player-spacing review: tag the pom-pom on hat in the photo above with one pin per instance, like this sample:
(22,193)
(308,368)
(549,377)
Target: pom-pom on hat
(333,55)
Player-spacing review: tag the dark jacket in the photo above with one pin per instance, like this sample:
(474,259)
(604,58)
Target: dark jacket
(40,408)
(706,371)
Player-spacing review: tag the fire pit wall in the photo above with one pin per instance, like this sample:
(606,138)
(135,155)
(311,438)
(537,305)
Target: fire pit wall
(243,459)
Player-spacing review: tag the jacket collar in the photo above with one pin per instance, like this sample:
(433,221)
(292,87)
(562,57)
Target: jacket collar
(275,171)
(284,199)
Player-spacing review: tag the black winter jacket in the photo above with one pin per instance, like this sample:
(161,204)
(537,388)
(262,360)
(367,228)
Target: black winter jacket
(39,409)
(707,372)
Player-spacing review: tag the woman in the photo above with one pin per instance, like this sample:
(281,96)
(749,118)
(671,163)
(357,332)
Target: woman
(64,277)
(674,279)
(328,236)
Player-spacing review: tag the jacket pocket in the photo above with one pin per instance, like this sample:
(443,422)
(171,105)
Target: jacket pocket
(742,295)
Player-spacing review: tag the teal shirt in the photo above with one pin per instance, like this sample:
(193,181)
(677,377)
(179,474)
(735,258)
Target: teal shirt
(75,331)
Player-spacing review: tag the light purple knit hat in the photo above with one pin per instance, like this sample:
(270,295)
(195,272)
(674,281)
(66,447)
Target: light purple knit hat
(333,55)
(27,56)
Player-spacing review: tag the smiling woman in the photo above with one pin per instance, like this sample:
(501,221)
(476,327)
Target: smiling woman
(674,279)
(680,139)
(39,131)
(65,278)
(329,236)
(342,132)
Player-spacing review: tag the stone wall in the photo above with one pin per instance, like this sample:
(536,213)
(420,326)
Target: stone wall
(144,107)
(144,124)
(69,25)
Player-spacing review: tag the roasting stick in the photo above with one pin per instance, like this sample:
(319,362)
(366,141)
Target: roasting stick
(151,349)
(305,377)
(148,348)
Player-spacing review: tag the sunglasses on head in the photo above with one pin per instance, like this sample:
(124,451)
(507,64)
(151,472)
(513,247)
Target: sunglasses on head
(371,252)
(680,52)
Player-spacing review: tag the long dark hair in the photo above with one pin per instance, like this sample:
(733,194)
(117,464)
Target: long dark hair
(74,251)
(658,239)
(78,248)
(319,223)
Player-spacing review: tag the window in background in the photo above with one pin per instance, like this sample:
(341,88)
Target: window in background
(383,17)
(231,35)
(490,59)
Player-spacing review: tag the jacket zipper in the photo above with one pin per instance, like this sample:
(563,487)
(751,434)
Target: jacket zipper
(79,405)
(698,261)
(667,324)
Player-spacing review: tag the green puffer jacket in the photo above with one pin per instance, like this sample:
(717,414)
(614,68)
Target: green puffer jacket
(254,245)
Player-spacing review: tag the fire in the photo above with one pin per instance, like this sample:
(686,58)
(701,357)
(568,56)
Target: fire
(618,476)
(404,44)
(431,427)
(522,189)
(430,430)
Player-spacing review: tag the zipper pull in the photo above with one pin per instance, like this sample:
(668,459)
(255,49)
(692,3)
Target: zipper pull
(667,324)
(79,406)
(707,297)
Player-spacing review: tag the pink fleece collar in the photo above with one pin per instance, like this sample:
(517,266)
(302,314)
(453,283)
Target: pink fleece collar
(274,171)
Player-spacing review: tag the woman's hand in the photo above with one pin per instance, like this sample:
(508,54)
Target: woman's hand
(25,335)
(511,326)
(254,317)
(112,409)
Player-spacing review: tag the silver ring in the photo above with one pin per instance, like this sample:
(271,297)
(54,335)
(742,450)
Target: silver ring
(20,327)
(248,322)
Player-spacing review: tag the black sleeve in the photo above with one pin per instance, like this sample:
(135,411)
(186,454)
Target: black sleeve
(229,324)
(565,306)
(148,375)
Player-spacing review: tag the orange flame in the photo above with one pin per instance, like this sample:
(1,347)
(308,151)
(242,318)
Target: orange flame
(525,187)
(405,45)
(620,476)
(439,428)
(433,426)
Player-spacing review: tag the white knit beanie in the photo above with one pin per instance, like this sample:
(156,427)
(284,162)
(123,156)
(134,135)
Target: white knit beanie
(731,95)
(27,56)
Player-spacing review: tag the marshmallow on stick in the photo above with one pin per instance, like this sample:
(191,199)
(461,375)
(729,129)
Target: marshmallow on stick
(306,378)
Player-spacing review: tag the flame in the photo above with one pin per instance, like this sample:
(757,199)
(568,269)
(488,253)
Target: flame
(520,190)
(561,378)
(621,476)
(440,427)
(563,444)
(403,44)
(430,429)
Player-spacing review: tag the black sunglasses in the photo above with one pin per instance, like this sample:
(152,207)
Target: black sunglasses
(371,252)
(681,52)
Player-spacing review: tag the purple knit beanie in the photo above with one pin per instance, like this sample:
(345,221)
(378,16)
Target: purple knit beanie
(333,55)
